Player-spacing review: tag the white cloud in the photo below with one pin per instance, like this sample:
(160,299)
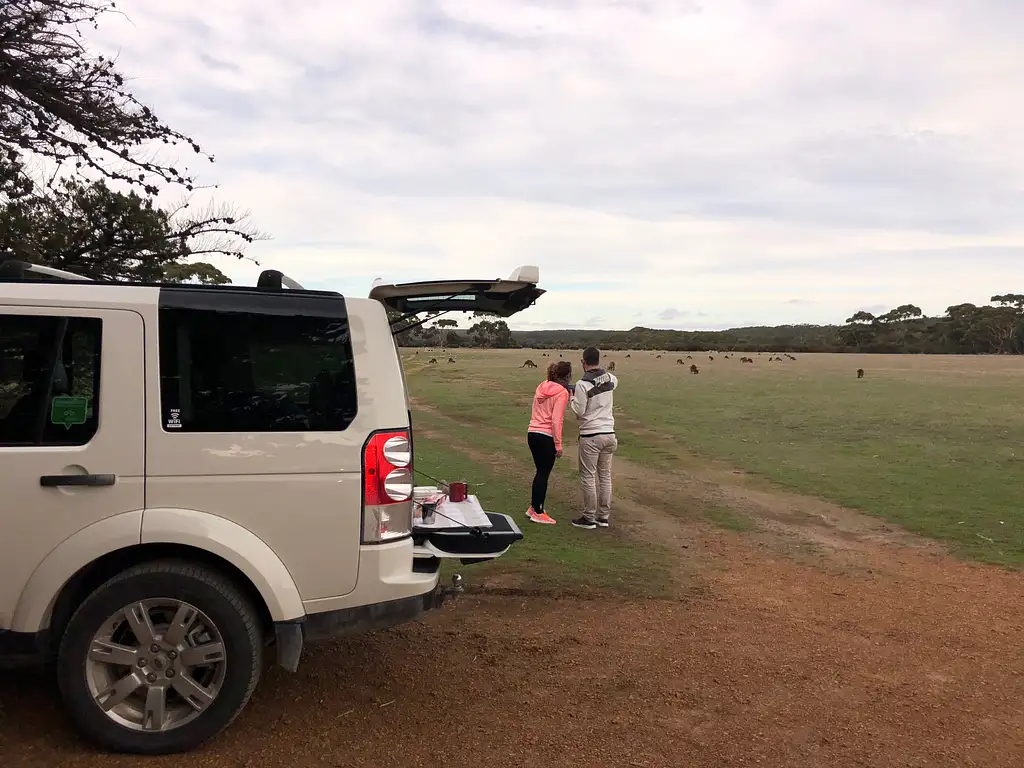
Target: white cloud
(716,159)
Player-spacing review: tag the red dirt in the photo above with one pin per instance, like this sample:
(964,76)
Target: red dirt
(880,653)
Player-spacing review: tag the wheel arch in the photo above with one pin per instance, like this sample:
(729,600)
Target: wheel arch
(87,579)
(97,552)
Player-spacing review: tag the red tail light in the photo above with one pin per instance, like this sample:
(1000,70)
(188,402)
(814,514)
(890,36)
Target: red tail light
(387,480)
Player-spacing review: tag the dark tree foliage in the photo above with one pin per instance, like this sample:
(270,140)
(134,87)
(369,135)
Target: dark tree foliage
(60,102)
(489,331)
(92,230)
(492,333)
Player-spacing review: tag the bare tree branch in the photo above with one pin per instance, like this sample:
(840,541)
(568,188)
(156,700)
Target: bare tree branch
(88,228)
(59,101)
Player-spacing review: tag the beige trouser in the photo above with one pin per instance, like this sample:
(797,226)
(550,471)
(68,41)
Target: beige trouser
(596,475)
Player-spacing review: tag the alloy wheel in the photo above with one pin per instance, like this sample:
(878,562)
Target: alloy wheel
(156,665)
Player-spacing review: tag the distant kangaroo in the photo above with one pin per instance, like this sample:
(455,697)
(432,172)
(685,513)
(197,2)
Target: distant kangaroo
(689,357)
(432,360)
(711,357)
(694,369)
(528,364)
(451,359)
(657,356)
(611,366)
(860,373)
(679,361)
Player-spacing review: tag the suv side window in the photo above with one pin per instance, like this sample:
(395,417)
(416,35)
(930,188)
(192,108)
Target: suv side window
(49,379)
(224,371)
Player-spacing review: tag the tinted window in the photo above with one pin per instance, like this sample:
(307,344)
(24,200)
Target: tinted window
(253,372)
(49,379)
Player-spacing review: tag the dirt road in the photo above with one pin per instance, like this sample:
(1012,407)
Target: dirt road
(871,652)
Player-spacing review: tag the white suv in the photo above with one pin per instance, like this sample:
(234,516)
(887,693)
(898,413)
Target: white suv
(191,474)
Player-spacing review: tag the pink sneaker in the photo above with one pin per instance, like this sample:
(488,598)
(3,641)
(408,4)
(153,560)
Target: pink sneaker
(543,518)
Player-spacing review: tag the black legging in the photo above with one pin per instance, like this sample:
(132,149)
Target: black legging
(543,449)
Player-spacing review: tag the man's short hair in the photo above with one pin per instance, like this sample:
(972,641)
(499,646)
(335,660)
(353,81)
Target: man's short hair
(591,356)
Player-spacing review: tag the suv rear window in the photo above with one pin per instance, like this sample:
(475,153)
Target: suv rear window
(233,371)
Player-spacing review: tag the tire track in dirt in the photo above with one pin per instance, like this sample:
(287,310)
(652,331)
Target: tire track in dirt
(668,507)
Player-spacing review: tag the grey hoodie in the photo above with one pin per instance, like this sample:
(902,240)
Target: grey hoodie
(592,402)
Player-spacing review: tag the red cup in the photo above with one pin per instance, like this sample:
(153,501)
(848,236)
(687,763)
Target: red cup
(458,492)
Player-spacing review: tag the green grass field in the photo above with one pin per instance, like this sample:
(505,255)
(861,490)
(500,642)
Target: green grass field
(933,444)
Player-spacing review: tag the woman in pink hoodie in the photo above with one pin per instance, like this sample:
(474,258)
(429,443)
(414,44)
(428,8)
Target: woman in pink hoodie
(545,434)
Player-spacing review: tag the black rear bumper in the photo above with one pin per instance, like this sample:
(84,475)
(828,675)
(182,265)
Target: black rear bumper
(290,636)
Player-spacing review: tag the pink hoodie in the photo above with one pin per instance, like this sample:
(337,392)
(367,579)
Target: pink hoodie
(549,403)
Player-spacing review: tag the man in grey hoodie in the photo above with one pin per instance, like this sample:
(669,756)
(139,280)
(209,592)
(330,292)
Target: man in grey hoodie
(592,402)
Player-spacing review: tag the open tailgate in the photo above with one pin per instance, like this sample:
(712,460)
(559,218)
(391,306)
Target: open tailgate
(499,297)
(470,544)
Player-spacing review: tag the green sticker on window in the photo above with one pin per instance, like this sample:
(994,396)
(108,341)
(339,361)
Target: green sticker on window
(69,411)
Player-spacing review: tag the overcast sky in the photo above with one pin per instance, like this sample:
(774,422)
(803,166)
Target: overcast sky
(664,162)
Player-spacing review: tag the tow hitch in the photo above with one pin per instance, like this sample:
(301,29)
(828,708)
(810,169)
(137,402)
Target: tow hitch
(456,588)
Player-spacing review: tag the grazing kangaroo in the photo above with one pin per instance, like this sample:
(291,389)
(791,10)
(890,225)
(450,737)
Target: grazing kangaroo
(627,357)
(451,359)
(656,357)
(860,373)
(528,364)
(711,357)
(694,369)
(432,360)
(679,361)
(689,357)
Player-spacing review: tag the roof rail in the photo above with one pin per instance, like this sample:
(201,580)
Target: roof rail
(23,270)
(275,280)
(15,269)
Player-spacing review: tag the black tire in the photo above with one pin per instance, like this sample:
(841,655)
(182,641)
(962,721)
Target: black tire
(207,590)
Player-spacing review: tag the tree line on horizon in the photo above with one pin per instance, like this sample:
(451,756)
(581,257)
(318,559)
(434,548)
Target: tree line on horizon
(996,328)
